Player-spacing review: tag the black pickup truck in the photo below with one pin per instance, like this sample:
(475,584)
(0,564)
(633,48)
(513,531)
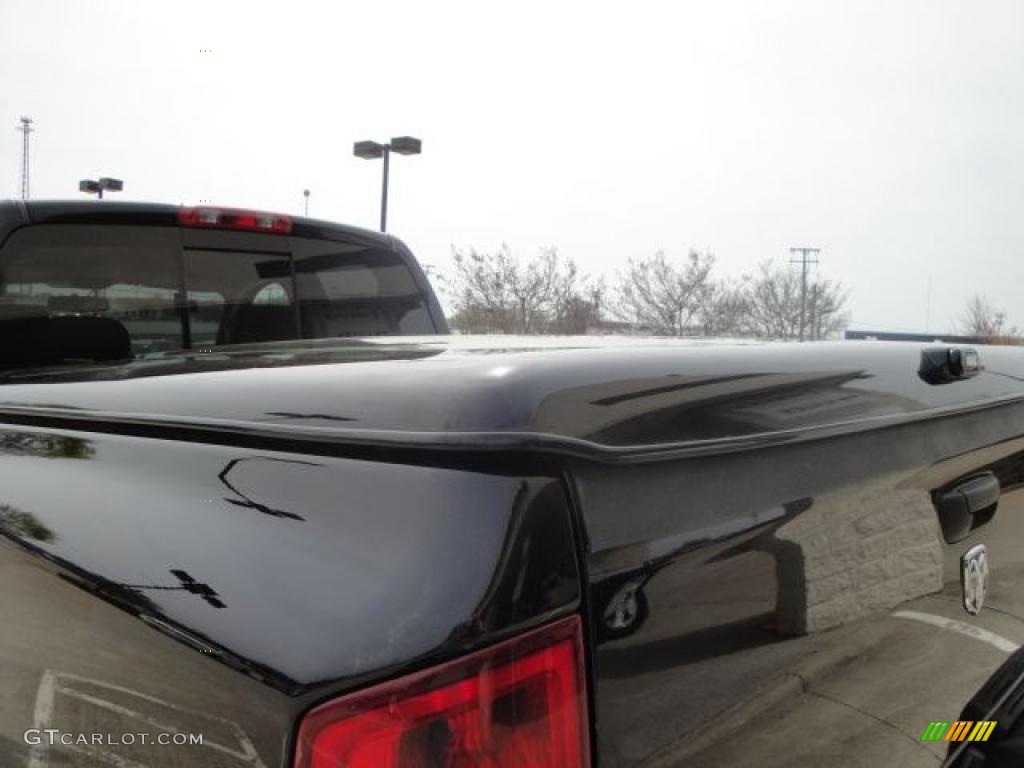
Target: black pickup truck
(258,508)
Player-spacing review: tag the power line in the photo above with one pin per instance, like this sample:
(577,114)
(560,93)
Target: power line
(807,257)
(25,128)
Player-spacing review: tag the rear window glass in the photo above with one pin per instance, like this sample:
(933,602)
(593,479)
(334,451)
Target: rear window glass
(77,292)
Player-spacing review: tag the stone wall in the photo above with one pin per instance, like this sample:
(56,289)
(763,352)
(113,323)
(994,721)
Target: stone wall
(856,553)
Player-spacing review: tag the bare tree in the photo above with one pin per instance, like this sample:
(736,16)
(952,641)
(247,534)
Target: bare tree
(479,291)
(774,310)
(667,298)
(981,319)
(725,310)
(825,303)
(774,305)
(496,292)
(533,288)
(578,306)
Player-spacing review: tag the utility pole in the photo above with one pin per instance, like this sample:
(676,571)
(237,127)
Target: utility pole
(805,258)
(25,128)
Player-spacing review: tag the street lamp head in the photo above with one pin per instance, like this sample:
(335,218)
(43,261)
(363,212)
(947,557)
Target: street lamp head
(114,185)
(88,185)
(305,193)
(406,145)
(368,150)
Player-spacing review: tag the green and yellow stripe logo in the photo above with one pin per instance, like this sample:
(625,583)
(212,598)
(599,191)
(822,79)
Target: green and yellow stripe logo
(960,730)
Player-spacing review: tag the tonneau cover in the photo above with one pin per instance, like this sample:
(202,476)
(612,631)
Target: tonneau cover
(581,393)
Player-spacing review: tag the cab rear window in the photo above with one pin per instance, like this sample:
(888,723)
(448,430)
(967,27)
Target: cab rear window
(84,292)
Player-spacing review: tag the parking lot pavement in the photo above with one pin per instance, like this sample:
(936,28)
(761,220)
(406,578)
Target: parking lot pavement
(853,710)
(109,651)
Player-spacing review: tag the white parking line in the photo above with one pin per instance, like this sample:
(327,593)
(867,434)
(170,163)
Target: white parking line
(248,756)
(41,719)
(53,683)
(996,641)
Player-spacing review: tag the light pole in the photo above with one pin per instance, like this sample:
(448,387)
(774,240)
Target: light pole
(91,187)
(305,194)
(371,150)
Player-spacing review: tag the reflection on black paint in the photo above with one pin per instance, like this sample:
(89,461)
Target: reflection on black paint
(130,598)
(45,446)
(187,584)
(229,357)
(666,653)
(690,383)
(733,405)
(536,567)
(620,602)
(250,503)
(327,416)
(19,524)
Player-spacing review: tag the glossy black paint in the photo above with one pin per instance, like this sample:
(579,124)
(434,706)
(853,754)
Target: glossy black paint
(249,585)
(221,541)
(324,558)
(726,551)
(632,400)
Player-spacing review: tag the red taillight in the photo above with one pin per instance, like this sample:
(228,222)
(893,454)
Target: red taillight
(234,218)
(520,703)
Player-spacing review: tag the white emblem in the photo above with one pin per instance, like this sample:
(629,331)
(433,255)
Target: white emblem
(974,578)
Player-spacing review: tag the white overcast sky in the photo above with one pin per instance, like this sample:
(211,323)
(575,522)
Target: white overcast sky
(889,133)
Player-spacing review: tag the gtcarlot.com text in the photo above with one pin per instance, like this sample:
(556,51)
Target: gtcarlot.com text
(56,737)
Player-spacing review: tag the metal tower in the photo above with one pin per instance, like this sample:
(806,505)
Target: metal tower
(25,128)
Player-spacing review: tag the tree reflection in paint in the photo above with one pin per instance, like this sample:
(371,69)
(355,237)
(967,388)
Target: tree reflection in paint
(45,446)
(17,523)
(20,524)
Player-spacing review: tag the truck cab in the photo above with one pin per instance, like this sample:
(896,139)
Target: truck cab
(120,282)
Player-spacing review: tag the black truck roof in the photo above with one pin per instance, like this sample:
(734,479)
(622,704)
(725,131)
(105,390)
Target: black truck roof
(15,213)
